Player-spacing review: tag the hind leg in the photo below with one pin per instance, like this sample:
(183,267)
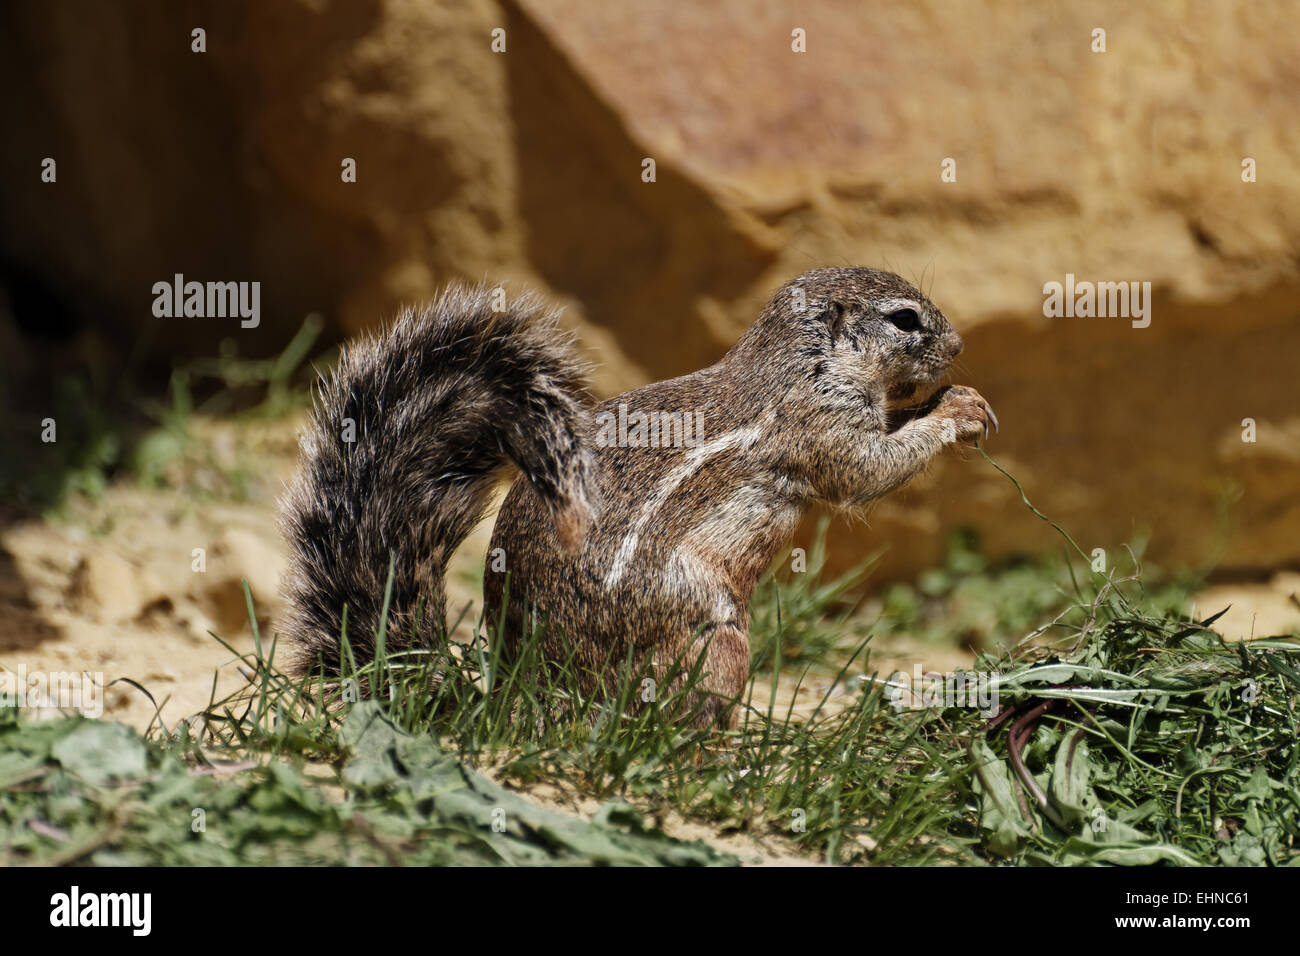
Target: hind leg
(723,673)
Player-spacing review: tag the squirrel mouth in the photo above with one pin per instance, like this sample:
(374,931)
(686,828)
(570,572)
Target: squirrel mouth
(920,385)
(902,393)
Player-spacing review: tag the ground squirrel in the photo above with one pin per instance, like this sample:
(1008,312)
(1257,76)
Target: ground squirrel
(621,541)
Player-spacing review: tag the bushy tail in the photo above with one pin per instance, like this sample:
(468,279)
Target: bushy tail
(400,458)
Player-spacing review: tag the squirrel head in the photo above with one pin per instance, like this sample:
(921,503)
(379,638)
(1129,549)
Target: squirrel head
(855,332)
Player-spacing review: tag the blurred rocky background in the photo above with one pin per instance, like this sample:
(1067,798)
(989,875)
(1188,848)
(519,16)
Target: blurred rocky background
(525,167)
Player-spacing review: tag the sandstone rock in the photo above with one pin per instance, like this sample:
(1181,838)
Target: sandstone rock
(216,601)
(525,167)
(244,554)
(1123,165)
(108,588)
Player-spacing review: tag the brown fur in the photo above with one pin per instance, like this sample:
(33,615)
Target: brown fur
(653,549)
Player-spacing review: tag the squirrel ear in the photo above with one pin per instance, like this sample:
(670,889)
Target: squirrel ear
(833,316)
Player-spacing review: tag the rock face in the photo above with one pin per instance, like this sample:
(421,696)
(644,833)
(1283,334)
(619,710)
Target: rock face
(526,166)
(110,588)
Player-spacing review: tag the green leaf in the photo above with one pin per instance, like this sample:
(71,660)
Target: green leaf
(1071,787)
(1078,850)
(1000,816)
(99,751)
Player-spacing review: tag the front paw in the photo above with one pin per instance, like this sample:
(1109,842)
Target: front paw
(963,414)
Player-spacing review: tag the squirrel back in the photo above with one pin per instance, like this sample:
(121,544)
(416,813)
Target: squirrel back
(400,457)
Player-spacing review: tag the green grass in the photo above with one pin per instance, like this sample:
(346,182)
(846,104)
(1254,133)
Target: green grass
(1124,734)
(807,619)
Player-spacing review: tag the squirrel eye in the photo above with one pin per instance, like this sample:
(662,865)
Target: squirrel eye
(905,320)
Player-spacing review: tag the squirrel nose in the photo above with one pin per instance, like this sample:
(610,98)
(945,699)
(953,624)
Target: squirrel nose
(955,344)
